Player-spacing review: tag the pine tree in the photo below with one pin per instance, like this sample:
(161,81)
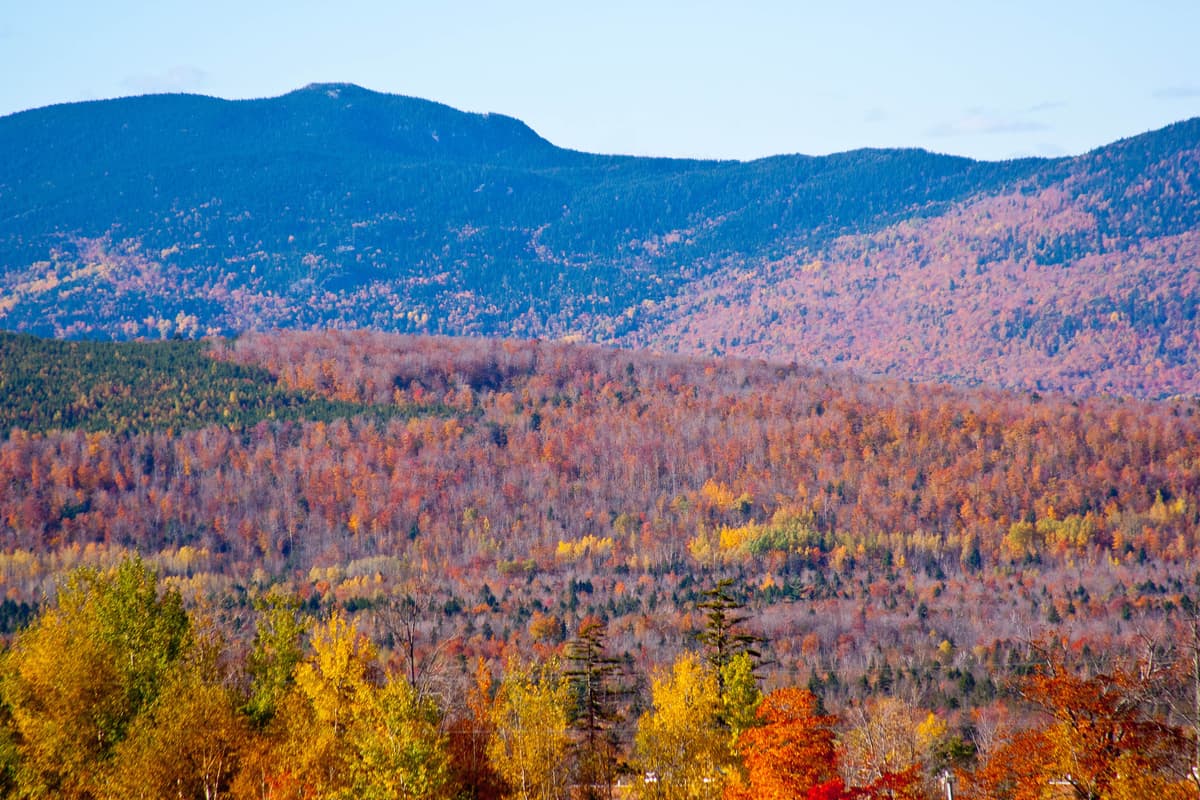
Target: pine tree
(593,676)
(722,635)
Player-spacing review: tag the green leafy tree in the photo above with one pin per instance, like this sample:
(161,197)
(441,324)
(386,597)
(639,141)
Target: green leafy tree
(399,747)
(276,654)
(741,698)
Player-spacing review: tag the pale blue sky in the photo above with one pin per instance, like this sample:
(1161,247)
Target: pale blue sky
(731,79)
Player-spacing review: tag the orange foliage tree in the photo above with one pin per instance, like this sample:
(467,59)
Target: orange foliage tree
(791,753)
(1102,738)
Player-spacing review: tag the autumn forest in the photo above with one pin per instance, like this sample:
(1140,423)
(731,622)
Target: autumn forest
(356,446)
(371,565)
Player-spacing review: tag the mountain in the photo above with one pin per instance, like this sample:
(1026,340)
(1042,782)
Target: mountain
(336,206)
(1085,278)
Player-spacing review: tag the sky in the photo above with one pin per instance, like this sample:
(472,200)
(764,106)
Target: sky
(988,79)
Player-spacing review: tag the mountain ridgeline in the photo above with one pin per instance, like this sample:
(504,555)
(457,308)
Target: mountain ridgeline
(180,215)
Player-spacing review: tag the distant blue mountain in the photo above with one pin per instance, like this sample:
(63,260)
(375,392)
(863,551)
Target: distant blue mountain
(335,206)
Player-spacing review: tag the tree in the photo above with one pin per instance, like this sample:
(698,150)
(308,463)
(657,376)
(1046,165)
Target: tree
(791,753)
(1101,737)
(399,748)
(741,698)
(83,672)
(188,744)
(337,673)
(10,756)
(884,752)
(312,755)
(470,738)
(401,620)
(1101,733)
(1016,770)
(721,634)
(591,674)
(530,744)
(343,730)
(682,749)
(67,713)
(275,655)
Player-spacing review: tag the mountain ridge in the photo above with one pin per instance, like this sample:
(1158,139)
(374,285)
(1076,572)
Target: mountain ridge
(333,205)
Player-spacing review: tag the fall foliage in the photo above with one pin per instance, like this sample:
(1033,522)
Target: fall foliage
(791,752)
(397,595)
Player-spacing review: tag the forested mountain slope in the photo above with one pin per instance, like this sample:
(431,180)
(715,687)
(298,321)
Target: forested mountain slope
(336,206)
(1085,278)
(962,569)
(519,487)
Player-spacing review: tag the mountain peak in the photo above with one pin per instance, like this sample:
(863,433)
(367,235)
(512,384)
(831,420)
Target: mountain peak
(413,124)
(338,90)
(333,86)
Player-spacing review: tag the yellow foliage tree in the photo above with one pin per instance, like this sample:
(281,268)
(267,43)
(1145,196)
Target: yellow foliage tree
(82,673)
(63,709)
(188,745)
(530,739)
(313,756)
(681,748)
(344,732)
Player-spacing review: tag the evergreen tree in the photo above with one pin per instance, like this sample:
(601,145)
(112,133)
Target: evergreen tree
(723,634)
(593,676)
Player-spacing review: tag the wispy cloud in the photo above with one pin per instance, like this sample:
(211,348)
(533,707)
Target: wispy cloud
(875,114)
(980,123)
(1041,150)
(180,78)
(1177,92)
(1049,105)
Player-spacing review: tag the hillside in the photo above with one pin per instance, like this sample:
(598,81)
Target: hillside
(959,568)
(337,206)
(1086,282)
(52,385)
(334,206)
(473,469)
